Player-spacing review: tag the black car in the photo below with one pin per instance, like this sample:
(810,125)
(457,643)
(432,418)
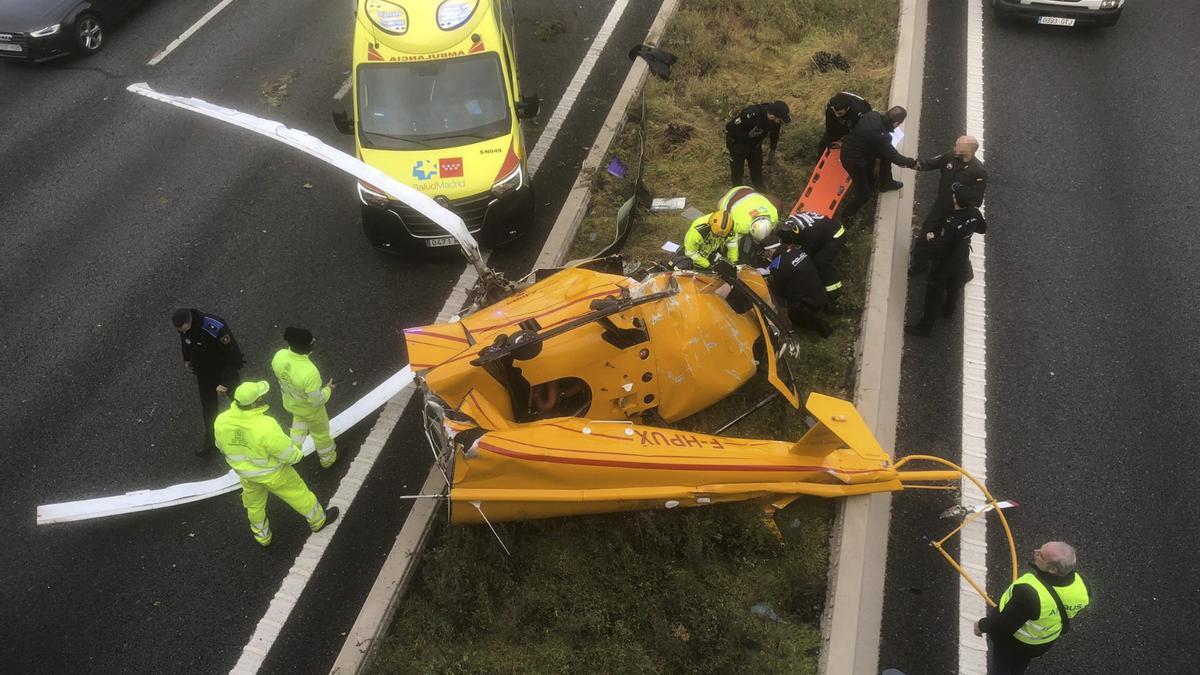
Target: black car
(36,30)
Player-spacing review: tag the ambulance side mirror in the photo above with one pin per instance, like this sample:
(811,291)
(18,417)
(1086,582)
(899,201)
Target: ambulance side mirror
(341,120)
(528,107)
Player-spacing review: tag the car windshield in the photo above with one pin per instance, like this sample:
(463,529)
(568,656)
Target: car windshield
(432,104)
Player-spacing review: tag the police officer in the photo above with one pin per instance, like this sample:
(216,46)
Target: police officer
(842,113)
(704,239)
(960,170)
(796,284)
(212,354)
(822,239)
(303,394)
(950,270)
(744,136)
(868,143)
(256,448)
(1035,611)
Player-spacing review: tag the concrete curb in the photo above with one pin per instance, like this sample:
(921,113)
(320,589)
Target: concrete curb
(858,560)
(397,571)
(380,606)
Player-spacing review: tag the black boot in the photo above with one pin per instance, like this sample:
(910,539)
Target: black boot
(890,185)
(331,514)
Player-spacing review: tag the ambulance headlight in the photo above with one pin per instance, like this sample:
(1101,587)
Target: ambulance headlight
(372,196)
(389,16)
(509,183)
(454,13)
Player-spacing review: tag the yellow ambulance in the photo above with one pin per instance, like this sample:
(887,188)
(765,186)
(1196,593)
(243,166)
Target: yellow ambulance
(437,105)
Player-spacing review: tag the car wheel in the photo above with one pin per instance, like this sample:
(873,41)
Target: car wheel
(89,34)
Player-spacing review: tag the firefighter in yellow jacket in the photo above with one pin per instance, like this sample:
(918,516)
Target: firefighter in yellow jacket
(704,239)
(256,448)
(752,212)
(303,394)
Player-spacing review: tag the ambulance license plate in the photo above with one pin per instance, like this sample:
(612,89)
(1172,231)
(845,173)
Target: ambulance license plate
(1055,21)
(438,242)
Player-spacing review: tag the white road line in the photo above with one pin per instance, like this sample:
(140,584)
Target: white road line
(345,88)
(188,33)
(554,124)
(268,628)
(972,651)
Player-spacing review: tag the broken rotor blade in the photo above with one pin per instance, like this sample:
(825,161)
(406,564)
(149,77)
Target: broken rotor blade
(147,500)
(422,203)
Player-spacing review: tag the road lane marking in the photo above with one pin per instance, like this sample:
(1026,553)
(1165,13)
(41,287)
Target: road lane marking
(188,33)
(267,631)
(555,123)
(972,651)
(345,88)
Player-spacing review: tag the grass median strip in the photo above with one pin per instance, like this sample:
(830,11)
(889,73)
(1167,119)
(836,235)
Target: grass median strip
(714,589)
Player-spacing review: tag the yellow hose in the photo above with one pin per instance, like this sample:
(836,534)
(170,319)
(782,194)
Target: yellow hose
(935,475)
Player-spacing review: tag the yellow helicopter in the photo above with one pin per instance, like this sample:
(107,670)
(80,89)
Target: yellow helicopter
(552,396)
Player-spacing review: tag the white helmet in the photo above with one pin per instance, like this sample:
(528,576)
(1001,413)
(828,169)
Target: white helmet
(761,228)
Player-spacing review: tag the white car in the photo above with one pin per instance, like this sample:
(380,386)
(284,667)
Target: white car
(1061,12)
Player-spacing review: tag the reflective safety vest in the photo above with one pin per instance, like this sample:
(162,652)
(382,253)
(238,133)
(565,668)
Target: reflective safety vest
(299,382)
(253,443)
(700,243)
(745,205)
(1048,625)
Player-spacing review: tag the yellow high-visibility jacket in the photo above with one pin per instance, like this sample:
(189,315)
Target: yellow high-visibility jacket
(744,206)
(253,443)
(700,243)
(299,382)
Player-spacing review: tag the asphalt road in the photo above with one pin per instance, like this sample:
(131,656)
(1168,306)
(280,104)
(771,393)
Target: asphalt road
(1091,313)
(114,211)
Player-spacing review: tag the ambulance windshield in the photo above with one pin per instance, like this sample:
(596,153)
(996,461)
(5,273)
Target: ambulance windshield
(432,104)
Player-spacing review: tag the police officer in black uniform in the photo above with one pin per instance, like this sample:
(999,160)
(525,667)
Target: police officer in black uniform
(796,284)
(212,354)
(870,141)
(960,171)
(744,136)
(822,239)
(842,113)
(950,261)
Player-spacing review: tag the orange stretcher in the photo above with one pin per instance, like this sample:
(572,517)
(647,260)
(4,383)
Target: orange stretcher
(826,187)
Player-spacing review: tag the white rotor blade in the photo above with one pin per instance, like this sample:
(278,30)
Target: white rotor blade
(446,219)
(146,500)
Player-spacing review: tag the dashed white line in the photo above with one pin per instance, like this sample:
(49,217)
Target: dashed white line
(345,88)
(188,33)
(972,651)
(268,628)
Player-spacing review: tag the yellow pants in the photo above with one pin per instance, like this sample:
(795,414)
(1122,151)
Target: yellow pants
(288,486)
(315,423)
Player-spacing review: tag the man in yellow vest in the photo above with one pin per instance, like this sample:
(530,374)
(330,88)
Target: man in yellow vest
(256,448)
(752,212)
(704,239)
(1035,610)
(303,394)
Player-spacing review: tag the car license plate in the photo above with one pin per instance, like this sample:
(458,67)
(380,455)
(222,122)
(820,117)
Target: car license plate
(1055,21)
(438,242)
(9,47)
